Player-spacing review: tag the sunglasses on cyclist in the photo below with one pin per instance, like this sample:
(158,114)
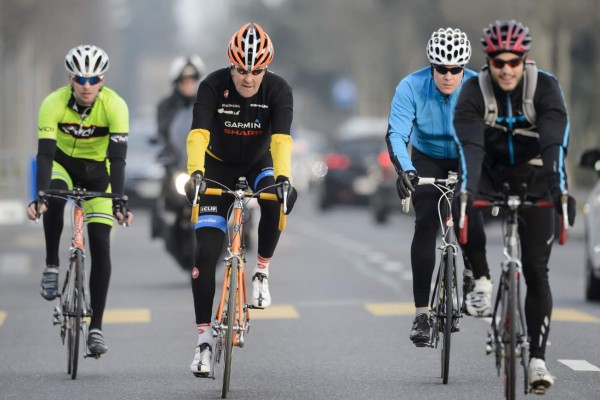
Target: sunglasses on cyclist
(444,70)
(80,80)
(243,71)
(499,63)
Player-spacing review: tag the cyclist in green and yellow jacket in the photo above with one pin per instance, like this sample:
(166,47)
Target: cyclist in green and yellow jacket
(83,131)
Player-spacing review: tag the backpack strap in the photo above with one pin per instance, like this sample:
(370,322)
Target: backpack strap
(529,86)
(491,107)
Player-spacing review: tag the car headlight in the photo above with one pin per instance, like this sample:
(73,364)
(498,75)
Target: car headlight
(180,181)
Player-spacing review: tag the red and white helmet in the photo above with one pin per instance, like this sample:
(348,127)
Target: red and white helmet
(250,48)
(449,47)
(506,36)
(86,60)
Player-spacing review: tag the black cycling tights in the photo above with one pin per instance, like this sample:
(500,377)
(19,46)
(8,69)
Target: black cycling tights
(209,239)
(99,245)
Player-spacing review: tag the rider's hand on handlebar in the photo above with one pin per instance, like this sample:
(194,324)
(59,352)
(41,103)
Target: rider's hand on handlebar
(407,180)
(292,195)
(118,207)
(34,211)
(195,186)
(571,205)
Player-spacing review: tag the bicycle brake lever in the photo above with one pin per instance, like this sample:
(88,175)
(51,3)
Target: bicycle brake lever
(286,186)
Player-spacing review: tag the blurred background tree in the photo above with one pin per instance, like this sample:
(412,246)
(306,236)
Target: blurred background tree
(342,57)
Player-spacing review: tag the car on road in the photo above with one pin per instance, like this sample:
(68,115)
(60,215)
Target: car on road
(143,174)
(348,167)
(590,159)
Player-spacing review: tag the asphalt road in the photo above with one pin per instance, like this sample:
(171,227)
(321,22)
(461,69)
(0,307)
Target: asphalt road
(342,294)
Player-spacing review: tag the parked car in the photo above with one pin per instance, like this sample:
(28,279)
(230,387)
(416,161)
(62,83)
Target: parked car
(143,174)
(385,200)
(590,159)
(349,170)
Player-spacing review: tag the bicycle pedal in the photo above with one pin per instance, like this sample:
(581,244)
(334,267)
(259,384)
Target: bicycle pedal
(203,375)
(90,355)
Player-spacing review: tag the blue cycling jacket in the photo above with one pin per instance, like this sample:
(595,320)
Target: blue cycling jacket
(422,114)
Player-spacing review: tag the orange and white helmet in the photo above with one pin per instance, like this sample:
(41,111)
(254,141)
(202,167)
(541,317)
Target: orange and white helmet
(250,48)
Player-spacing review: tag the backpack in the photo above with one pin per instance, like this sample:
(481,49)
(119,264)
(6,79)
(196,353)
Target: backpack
(491,107)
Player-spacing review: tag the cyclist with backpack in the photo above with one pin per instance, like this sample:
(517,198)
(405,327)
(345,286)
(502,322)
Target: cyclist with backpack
(512,127)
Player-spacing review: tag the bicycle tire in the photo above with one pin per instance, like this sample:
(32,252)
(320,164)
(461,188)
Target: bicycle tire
(510,361)
(231,311)
(448,310)
(75,317)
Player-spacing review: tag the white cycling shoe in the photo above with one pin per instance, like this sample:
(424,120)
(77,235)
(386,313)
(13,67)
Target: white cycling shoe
(539,378)
(261,298)
(202,363)
(479,300)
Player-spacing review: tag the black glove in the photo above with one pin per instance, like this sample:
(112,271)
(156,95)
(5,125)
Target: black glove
(190,186)
(407,180)
(292,195)
(119,206)
(571,206)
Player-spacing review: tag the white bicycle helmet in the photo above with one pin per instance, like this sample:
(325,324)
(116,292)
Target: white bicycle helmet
(449,47)
(86,60)
(187,66)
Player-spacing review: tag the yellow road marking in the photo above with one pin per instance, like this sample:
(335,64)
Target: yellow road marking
(275,312)
(572,315)
(2,317)
(390,309)
(127,316)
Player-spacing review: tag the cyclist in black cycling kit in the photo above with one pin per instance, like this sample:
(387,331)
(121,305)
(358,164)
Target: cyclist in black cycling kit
(83,130)
(515,147)
(241,127)
(421,112)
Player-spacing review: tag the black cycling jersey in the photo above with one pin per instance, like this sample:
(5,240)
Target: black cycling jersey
(548,139)
(241,129)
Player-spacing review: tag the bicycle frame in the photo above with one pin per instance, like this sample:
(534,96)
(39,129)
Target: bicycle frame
(508,339)
(232,319)
(74,297)
(443,311)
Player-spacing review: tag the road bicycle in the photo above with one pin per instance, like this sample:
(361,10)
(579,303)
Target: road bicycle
(507,338)
(232,319)
(74,297)
(445,304)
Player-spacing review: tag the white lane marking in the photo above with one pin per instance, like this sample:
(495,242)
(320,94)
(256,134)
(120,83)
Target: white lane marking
(580,365)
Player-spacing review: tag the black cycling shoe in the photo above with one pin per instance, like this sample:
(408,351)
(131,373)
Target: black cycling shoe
(96,343)
(421,330)
(49,284)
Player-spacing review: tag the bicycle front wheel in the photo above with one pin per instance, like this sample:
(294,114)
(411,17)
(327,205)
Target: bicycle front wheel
(510,321)
(231,311)
(448,268)
(75,311)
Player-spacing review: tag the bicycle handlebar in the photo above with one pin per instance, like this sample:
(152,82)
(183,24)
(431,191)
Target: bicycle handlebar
(498,204)
(241,195)
(449,182)
(82,194)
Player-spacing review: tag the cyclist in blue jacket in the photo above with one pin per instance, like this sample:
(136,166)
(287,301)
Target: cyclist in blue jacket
(422,112)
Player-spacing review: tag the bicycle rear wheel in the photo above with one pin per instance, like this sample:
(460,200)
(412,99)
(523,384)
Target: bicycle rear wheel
(510,321)
(448,267)
(75,311)
(231,311)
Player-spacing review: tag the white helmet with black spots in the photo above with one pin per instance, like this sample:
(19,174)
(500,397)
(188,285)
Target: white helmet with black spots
(187,66)
(449,47)
(86,60)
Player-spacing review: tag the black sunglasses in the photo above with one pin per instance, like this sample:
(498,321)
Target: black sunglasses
(244,71)
(444,70)
(80,80)
(499,63)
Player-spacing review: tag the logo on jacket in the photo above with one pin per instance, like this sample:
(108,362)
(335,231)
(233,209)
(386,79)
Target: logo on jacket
(226,94)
